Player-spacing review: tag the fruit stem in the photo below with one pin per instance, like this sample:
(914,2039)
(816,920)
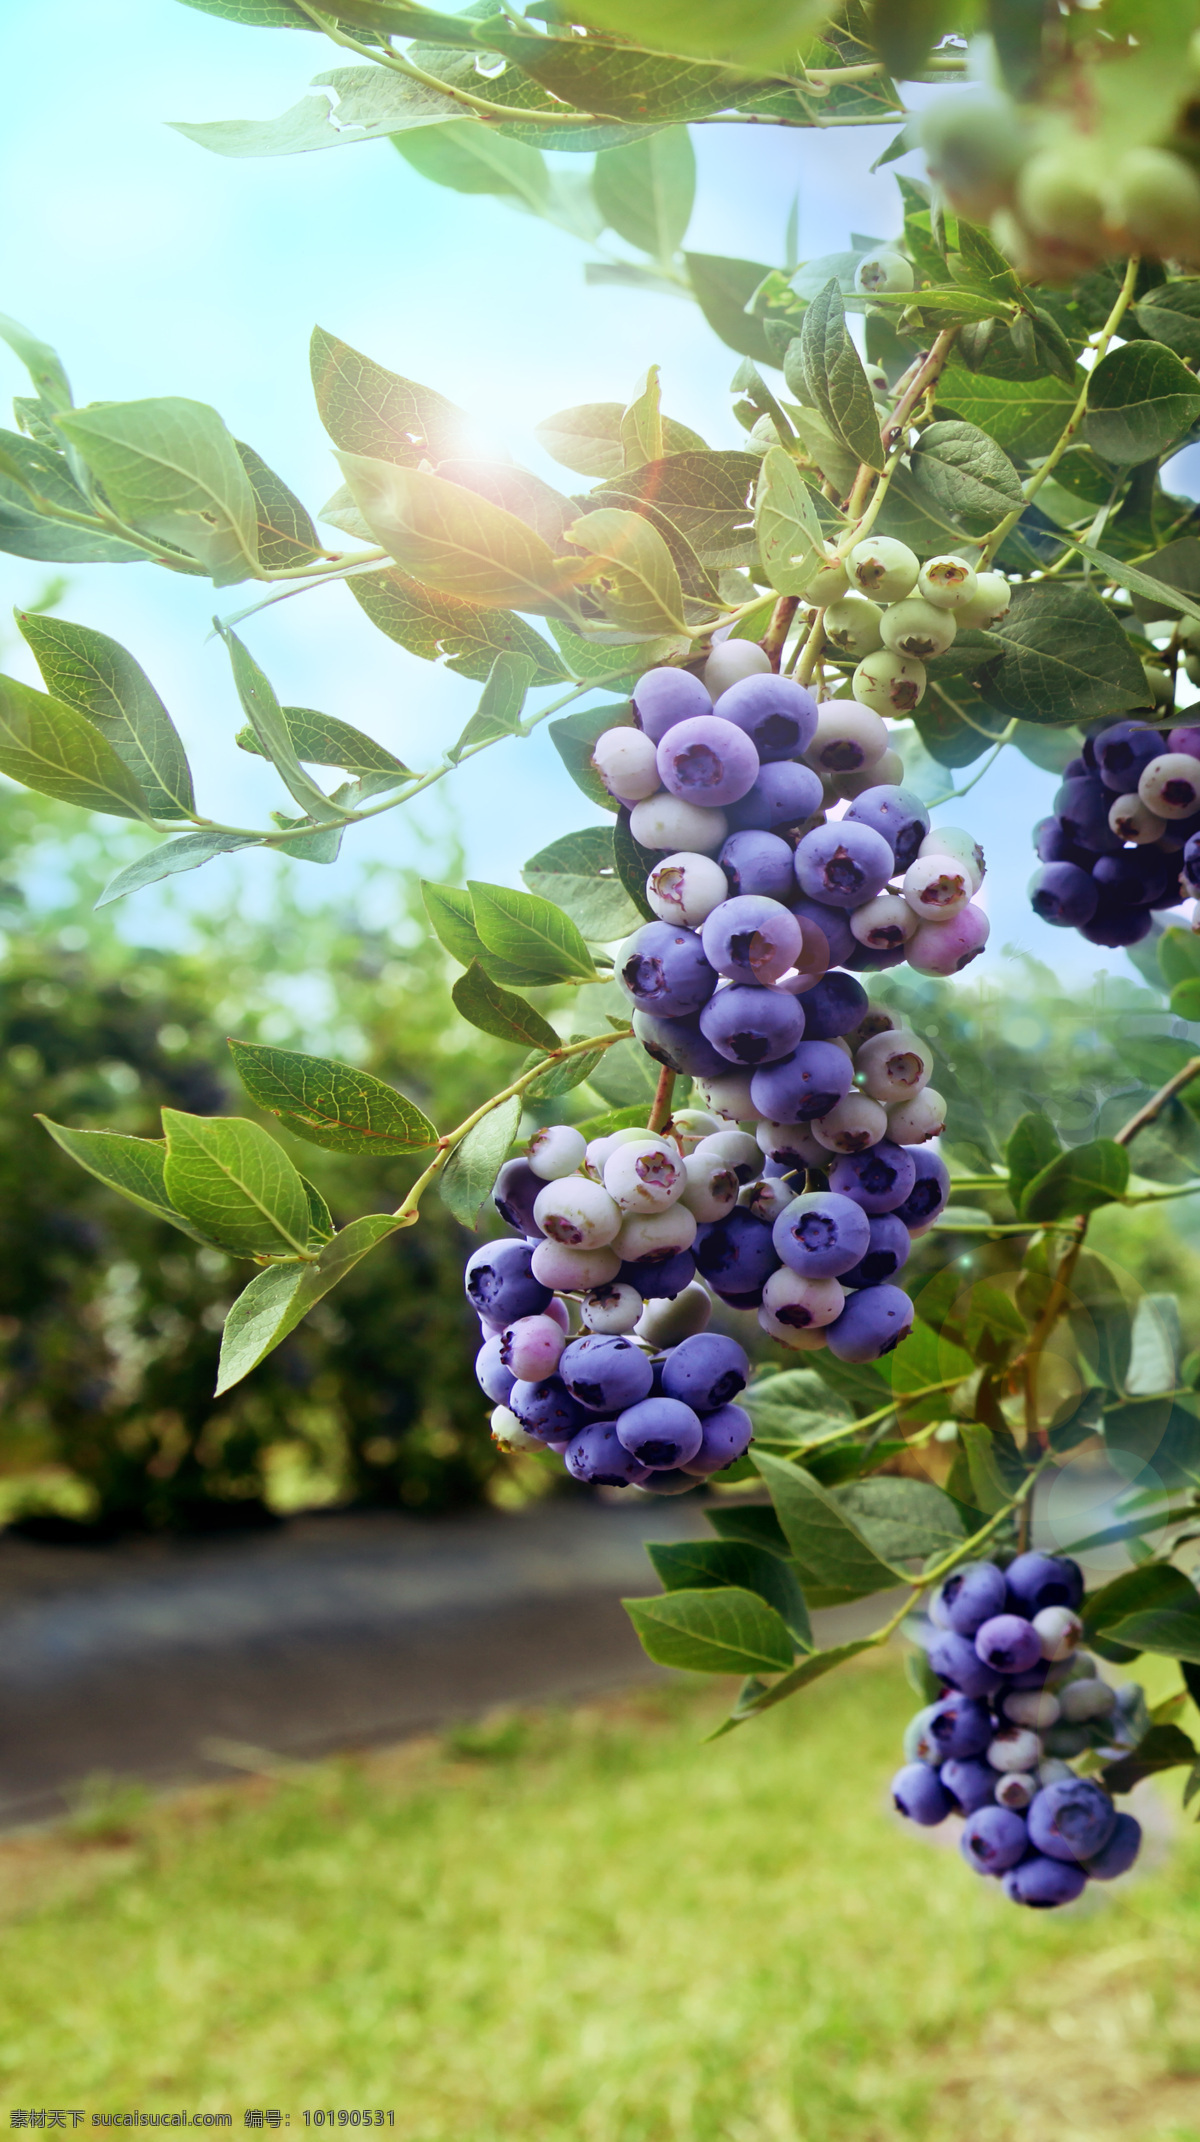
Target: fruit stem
(812,648)
(660,1114)
(772,641)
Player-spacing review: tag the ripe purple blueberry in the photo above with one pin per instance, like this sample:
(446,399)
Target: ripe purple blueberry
(706,1372)
(663,968)
(604,1374)
(873,1321)
(843,864)
(1072,1820)
(918,1794)
(707,760)
(660,1432)
(879,1180)
(993,1840)
(499,1281)
(778,716)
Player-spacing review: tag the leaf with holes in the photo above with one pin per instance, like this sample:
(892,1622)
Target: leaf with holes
(790,536)
(456,541)
(443,628)
(632,572)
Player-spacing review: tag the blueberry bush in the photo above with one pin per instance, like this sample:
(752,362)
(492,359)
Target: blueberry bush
(945,532)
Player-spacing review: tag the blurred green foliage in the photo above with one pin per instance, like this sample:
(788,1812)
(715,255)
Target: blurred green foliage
(109,1322)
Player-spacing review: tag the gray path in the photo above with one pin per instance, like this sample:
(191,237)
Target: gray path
(334,1631)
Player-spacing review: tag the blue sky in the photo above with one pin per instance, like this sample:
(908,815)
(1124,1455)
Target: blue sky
(158,268)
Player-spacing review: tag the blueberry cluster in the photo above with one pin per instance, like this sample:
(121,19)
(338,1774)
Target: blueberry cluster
(733,777)
(1125,835)
(1019,1700)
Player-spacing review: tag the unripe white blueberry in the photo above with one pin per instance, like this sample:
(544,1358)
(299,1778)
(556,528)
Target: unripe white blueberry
(611,1310)
(802,1339)
(686,888)
(1015,1748)
(809,1301)
(1170,785)
(961,847)
(919,628)
(645,1177)
(883,569)
(666,1323)
(627,763)
(711,1189)
(828,580)
(947,582)
(847,737)
(889,683)
(1032,1707)
(531,1347)
(730,661)
(1015,1789)
(947,947)
(508,1434)
(883,271)
(876,1020)
(576,1213)
(656,1234)
(766,1198)
(936,887)
(1058,197)
(556,1151)
(1130,820)
(600,1148)
(884,922)
(1081,1701)
(1059,1631)
(852,625)
(856,1123)
(1154,202)
(690,1125)
(887,772)
(1162,692)
(728,1096)
(734,1149)
(894,1066)
(988,604)
(1052,1770)
(778,1139)
(914,1122)
(573,1271)
(666,821)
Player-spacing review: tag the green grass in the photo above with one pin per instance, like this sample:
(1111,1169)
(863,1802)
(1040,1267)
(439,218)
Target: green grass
(590,1927)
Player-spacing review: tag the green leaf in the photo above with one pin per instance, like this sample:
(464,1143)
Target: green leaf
(528,931)
(320,1219)
(752,1522)
(43,364)
(1079,1180)
(1032,1145)
(795,1407)
(322,740)
(1065,658)
(825,451)
(1164,1747)
(442,628)
(645,190)
(901,1519)
(575,738)
(497,1011)
(620,78)
(904,33)
(330,1103)
(274,1302)
(632,572)
(470,158)
(134,1166)
(588,439)
(169,467)
(456,541)
(187,852)
(1179,955)
(722,28)
(634,864)
(703,1565)
(1185,999)
(86,670)
(266,718)
(957,469)
(499,711)
(1152,1588)
(1170,314)
(1023,416)
(369,410)
(578,874)
(1155,1058)
(233,1180)
(453,918)
(727,1631)
(286,535)
(837,384)
(28,530)
(706,496)
(371,106)
(988,1486)
(259,14)
(614,1119)
(790,536)
(809,1669)
(1176,565)
(723,288)
(474,1165)
(641,425)
(626,1077)
(827,1544)
(1141,398)
(1173,1632)
(57,752)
